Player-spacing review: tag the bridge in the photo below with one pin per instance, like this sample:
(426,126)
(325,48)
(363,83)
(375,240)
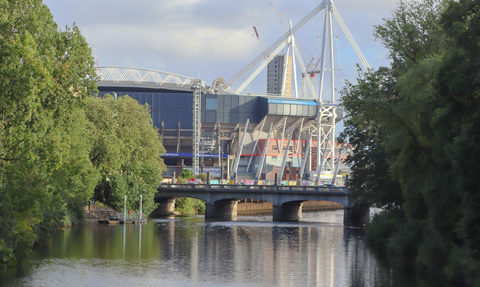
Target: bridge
(221,200)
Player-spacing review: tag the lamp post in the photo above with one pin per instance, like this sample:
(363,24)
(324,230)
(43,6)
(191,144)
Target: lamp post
(220,161)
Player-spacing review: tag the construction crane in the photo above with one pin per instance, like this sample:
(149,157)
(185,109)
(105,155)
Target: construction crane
(97,63)
(260,42)
(284,24)
(311,74)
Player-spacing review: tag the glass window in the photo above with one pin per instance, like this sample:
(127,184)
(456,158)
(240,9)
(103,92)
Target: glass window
(211,104)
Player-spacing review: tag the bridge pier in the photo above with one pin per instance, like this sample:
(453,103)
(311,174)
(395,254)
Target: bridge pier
(291,211)
(221,210)
(166,207)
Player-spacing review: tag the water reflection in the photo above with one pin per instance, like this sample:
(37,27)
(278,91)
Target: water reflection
(188,251)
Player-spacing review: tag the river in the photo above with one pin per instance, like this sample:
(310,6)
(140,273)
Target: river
(187,251)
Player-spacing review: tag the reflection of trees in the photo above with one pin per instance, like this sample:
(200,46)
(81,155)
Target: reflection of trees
(104,242)
(270,254)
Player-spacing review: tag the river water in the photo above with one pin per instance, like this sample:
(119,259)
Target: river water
(187,251)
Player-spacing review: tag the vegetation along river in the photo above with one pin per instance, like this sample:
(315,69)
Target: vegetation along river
(187,251)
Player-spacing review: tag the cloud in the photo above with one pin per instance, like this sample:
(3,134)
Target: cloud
(211,37)
(183,42)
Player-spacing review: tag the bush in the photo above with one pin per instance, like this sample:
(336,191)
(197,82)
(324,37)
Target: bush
(186,205)
(463,268)
(383,226)
(186,173)
(407,239)
(433,252)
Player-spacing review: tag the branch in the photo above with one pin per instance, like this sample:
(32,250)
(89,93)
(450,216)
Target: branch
(9,159)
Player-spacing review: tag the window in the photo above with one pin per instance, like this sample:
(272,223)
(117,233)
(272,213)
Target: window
(211,104)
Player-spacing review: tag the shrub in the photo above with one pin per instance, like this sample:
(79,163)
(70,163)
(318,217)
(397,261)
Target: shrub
(186,205)
(382,226)
(186,173)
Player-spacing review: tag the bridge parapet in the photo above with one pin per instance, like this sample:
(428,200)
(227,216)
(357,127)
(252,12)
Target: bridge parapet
(255,188)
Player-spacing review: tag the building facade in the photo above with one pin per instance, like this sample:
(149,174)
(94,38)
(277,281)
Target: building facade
(279,71)
(223,124)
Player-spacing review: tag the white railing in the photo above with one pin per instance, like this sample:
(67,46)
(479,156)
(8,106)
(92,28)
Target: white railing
(255,188)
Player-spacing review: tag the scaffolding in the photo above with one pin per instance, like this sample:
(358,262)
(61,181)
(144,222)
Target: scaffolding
(197,124)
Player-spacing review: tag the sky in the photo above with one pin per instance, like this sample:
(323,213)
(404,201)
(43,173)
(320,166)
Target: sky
(210,38)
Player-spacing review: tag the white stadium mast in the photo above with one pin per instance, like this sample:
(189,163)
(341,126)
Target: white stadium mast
(326,118)
(327,113)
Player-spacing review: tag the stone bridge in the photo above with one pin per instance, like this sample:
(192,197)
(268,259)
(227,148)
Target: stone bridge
(221,200)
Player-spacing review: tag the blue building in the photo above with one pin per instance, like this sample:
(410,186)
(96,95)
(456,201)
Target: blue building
(223,119)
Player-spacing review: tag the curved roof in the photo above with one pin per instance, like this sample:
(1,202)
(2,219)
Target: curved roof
(130,75)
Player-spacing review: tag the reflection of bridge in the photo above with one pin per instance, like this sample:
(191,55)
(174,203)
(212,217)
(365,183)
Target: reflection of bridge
(221,200)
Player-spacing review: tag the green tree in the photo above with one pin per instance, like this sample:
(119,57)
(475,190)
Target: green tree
(456,125)
(187,205)
(412,33)
(45,76)
(366,104)
(417,124)
(126,151)
(186,173)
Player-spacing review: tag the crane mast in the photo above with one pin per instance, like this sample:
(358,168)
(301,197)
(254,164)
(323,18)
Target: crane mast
(260,42)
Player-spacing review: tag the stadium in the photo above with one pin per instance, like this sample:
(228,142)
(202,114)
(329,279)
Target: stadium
(289,131)
(224,130)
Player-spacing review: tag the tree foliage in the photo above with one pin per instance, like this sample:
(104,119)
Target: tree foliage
(58,144)
(414,126)
(45,76)
(126,151)
(186,173)
(187,205)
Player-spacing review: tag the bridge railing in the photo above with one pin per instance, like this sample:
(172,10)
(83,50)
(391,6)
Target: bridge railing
(253,188)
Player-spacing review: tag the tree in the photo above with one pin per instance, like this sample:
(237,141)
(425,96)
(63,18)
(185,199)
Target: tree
(45,76)
(419,125)
(456,124)
(126,151)
(366,104)
(412,33)
(186,173)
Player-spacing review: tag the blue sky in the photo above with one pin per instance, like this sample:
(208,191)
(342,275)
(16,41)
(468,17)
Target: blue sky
(210,38)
